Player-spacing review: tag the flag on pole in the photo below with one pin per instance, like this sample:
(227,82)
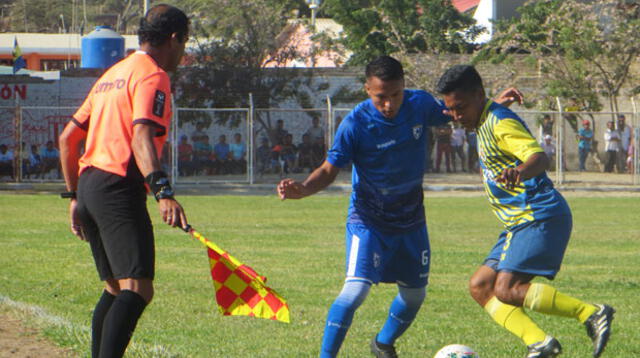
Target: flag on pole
(240,291)
(18,60)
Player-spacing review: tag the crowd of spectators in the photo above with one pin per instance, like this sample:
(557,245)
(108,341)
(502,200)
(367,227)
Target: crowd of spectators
(276,153)
(36,164)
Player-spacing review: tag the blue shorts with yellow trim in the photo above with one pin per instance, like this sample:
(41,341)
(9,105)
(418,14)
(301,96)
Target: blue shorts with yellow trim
(392,258)
(535,248)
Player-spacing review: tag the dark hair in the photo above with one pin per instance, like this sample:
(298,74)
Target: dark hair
(385,68)
(459,77)
(160,22)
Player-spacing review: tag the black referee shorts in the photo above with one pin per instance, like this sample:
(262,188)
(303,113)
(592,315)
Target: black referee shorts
(115,220)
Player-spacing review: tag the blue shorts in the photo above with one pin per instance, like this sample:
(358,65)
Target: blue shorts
(535,248)
(392,258)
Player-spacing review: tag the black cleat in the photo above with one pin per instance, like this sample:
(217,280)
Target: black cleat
(599,328)
(382,350)
(549,348)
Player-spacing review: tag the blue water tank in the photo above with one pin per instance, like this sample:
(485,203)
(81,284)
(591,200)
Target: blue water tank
(101,48)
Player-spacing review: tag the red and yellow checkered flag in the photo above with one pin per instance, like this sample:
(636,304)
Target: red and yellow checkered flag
(240,291)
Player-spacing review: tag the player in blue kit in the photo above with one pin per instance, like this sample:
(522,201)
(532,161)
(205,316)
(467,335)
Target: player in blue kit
(536,217)
(386,233)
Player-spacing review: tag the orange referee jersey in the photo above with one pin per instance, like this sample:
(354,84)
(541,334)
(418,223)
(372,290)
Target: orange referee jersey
(134,90)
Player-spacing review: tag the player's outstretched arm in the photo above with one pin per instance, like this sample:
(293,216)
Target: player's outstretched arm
(319,179)
(510,96)
(148,162)
(534,166)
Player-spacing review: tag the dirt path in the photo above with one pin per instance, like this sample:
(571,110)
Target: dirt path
(19,341)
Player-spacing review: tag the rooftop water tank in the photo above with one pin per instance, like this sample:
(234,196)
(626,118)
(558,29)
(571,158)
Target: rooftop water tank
(101,48)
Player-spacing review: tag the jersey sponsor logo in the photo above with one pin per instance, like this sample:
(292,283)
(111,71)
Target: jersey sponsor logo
(386,144)
(417,131)
(158,103)
(107,86)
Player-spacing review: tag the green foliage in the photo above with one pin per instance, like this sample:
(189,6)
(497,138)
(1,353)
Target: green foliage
(583,48)
(381,27)
(299,246)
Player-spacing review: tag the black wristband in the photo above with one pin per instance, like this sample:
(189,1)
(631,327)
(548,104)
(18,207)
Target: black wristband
(158,182)
(68,195)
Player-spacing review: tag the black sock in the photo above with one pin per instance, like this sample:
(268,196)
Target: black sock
(120,322)
(101,310)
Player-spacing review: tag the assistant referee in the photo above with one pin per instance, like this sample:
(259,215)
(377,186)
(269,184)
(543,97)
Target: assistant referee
(123,123)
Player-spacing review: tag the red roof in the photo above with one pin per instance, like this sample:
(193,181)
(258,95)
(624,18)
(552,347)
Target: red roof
(465,5)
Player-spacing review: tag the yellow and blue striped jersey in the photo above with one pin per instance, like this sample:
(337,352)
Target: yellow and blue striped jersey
(504,141)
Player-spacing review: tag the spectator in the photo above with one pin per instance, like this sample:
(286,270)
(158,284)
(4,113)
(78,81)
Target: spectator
(429,143)
(306,154)
(319,152)
(50,159)
(288,154)
(547,125)
(316,130)
(625,140)
(585,137)
(278,133)
(238,155)
(612,147)
(185,157)
(6,161)
(222,156)
(277,165)
(549,148)
(202,152)
(472,152)
(443,146)
(35,162)
(199,135)
(457,146)
(263,156)
(630,163)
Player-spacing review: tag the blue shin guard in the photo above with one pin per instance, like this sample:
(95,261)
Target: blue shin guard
(340,315)
(403,310)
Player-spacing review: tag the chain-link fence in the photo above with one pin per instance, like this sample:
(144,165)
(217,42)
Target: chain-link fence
(249,145)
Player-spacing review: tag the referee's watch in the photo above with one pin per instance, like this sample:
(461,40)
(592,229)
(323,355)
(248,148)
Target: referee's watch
(68,195)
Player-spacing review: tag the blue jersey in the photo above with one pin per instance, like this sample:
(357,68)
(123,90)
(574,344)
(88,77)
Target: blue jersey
(504,141)
(388,157)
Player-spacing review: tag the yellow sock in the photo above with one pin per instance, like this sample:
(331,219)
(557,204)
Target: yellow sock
(546,299)
(515,320)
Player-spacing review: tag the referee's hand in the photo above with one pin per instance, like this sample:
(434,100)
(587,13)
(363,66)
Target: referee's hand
(172,213)
(76,224)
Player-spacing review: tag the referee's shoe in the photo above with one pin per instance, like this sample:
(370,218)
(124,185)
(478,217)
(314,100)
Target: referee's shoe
(599,328)
(382,350)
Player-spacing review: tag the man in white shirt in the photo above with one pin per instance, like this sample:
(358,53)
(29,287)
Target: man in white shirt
(457,145)
(611,146)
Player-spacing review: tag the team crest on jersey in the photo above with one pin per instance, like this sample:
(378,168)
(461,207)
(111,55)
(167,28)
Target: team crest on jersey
(417,131)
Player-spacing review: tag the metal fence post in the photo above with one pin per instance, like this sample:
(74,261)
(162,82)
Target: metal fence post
(330,123)
(251,146)
(560,145)
(174,142)
(636,143)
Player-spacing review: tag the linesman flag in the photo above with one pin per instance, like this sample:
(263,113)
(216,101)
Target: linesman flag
(240,291)
(18,60)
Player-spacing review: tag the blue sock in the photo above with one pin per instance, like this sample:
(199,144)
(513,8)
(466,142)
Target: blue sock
(401,313)
(340,315)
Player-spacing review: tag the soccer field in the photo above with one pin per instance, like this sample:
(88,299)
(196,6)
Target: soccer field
(299,246)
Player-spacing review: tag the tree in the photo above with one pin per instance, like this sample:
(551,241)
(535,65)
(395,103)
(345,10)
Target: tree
(585,49)
(382,27)
(241,44)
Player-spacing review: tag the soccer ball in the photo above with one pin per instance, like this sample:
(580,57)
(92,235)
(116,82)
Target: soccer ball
(456,351)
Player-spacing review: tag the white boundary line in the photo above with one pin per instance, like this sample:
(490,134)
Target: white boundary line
(82,334)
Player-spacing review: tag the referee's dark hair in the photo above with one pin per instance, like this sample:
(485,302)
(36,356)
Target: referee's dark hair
(385,68)
(160,22)
(459,77)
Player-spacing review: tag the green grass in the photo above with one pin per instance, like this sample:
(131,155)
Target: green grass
(298,245)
